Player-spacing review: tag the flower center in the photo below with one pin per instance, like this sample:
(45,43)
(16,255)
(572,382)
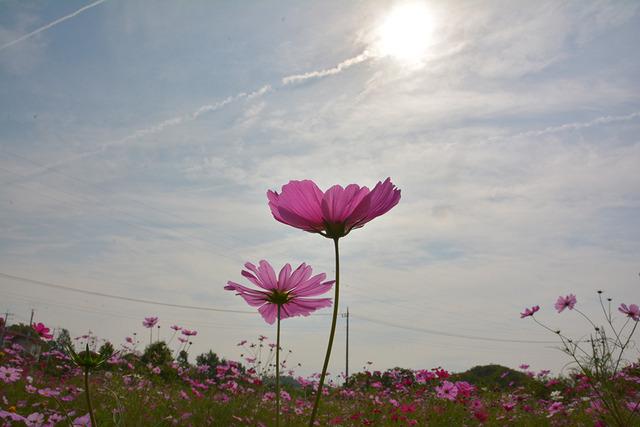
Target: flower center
(279,298)
(335,230)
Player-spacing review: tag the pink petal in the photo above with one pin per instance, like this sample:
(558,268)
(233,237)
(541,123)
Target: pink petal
(298,205)
(269,313)
(283,277)
(267,275)
(338,203)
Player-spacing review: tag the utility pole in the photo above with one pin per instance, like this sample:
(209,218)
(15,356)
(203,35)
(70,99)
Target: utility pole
(346,373)
(4,326)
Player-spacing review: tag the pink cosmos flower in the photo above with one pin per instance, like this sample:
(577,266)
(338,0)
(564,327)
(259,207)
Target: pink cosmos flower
(42,331)
(447,390)
(335,212)
(554,408)
(35,419)
(529,311)
(633,311)
(175,327)
(189,333)
(565,302)
(289,290)
(150,322)
(9,375)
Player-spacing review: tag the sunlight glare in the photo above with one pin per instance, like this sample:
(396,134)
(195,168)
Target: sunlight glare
(406,33)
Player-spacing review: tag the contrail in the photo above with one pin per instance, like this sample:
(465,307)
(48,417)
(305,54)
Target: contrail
(51,24)
(140,133)
(178,120)
(580,125)
(296,78)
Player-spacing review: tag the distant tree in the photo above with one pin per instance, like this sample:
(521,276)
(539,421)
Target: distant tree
(183,359)
(211,360)
(62,341)
(158,354)
(106,349)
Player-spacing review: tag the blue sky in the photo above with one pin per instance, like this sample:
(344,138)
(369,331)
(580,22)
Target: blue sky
(138,139)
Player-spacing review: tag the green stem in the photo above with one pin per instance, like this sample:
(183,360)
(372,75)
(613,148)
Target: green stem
(331,335)
(278,371)
(88,395)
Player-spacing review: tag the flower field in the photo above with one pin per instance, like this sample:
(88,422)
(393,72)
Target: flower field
(149,387)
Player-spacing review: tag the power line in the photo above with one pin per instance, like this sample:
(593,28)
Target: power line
(130,299)
(101,294)
(449,334)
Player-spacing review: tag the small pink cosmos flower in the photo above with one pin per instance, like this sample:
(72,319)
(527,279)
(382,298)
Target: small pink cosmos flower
(175,327)
(289,290)
(335,212)
(565,302)
(529,311)
(189,333)
(9,375)
(555,408)
(42,331)
(633,311)
(447,390)
(150,322)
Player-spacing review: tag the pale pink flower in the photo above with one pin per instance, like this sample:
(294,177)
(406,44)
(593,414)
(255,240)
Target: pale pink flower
(83,421)
(175,327)
(150,322)
(335,212)
(289,290)
(447,390)
(529,311)
(633,311)
(11,416)
(9,375)
(565,302)
(35,419)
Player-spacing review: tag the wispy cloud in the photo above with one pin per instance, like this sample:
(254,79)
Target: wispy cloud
(51,24)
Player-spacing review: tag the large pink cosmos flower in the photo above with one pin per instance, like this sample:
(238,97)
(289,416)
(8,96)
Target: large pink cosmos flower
(289,290)
(335,212)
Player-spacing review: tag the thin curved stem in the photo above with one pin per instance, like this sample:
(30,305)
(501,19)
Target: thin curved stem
(88,395)
(278,371)
(331,335)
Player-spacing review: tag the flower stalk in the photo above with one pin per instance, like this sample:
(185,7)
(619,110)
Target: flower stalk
(327,356)
(278,370)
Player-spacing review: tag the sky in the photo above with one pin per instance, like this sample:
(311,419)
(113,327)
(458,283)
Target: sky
(138,140)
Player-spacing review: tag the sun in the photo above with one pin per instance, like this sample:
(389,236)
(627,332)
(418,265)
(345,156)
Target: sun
(406,33)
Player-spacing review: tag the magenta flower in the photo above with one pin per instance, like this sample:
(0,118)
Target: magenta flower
(633,311)
(150,322)
(529,311)
(565,302)
(447,390)
(189,333)
(290,290)
(42,331)
(555,408)
(334,213)
(175,327)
